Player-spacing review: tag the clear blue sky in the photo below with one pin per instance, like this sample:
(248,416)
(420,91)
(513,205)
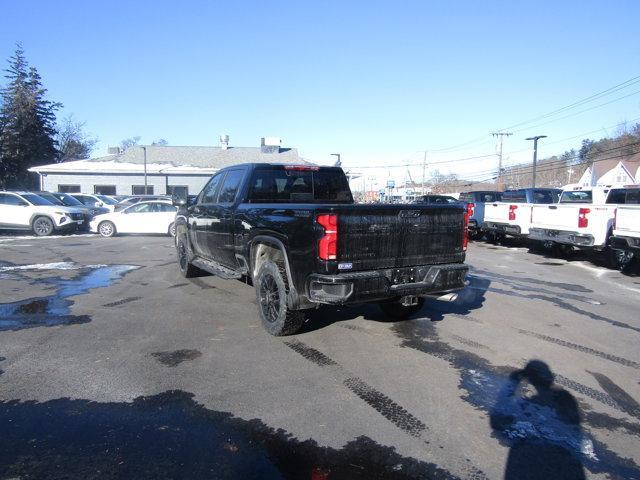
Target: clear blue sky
(376,81)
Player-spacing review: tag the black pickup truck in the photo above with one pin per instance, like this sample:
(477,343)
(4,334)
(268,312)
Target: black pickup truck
(296,234)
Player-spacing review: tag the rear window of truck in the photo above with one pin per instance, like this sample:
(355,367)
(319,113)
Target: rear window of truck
(480,197)
(290,185)
(622,196)
(578,196)
(518,196)
(546,196)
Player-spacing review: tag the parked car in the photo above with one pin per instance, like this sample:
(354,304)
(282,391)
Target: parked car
(143,217)
(95,200)
(582,219)
(446,199)
(475,204)
(68,201)
(28,211)
(132,200)
(296,233)
(512,215)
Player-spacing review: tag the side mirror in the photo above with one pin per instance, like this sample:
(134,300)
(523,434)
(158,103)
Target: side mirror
(178,201)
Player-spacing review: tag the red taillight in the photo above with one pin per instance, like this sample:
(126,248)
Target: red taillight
(512,212)
(302,168)
(470,208)
(328,244)
(583,221)
(465,228)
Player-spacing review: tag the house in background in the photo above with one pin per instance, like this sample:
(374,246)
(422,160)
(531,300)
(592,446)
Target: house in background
(608,172)
(168,169)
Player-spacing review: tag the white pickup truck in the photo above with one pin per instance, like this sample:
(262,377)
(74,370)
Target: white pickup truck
(512,215)
(626,226)
(582,219)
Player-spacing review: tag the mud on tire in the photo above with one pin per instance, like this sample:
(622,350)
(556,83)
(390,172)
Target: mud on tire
(271,295)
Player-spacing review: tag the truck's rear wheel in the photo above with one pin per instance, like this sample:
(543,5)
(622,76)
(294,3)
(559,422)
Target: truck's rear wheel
(396,310)
(271,293)
(618,259)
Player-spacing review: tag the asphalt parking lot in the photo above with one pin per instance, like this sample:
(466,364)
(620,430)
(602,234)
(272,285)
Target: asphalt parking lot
(114,366)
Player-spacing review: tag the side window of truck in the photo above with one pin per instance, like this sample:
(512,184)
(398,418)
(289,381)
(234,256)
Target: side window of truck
(210,191)
(230,186)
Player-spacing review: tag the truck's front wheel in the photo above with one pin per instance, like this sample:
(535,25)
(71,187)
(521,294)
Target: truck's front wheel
(396,310)
(271,293)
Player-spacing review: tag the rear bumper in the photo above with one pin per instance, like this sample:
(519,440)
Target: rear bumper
(503,228)
(360,287)
(630,244)
(561,236)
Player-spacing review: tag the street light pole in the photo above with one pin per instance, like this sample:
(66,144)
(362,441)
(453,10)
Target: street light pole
(144,150)
(338,163)
(535,155)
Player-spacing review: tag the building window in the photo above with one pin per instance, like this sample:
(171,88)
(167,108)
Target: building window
(68,188)
(104,189)
(178,190)
(139,190)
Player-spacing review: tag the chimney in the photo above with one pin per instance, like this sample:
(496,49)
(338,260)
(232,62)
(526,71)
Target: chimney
(224,142)
(270,144)
(114,150)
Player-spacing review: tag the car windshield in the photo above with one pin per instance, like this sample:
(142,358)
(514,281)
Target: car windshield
(51,197)
(107,200)
(68,200)
(36,199)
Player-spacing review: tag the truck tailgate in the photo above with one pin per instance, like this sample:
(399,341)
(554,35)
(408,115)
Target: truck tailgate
(628,221)
(387,236)
(496,212)
(557,217)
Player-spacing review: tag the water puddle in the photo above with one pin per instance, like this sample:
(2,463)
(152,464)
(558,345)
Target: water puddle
(55,309)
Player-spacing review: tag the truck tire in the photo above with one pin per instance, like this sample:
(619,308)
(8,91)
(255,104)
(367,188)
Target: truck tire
(42,226)
(187,269)
(271,295)
(617,259)
(397,311)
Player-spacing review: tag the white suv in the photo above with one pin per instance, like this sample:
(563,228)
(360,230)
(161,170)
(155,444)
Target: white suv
(28,211)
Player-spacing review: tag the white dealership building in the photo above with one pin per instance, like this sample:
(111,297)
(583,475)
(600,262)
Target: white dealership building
(164,169)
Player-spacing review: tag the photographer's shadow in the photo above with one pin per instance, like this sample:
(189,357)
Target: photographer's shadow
(541,424)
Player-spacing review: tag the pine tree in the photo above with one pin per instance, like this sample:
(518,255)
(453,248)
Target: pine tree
(27,124)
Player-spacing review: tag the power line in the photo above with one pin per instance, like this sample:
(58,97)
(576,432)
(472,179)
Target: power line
(595,96)
(590,98)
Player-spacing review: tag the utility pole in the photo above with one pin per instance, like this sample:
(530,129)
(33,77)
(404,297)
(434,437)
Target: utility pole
(144,149)
(500,135)
(424,166)
(535,155)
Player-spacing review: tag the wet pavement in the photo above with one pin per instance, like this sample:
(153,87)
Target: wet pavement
(114,366)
